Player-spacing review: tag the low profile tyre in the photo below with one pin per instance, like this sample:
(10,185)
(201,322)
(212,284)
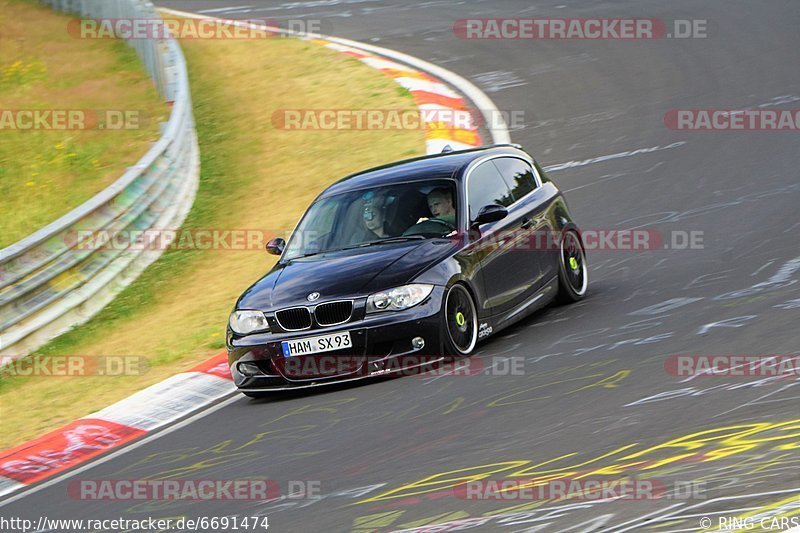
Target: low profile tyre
(573,278)
(460,322)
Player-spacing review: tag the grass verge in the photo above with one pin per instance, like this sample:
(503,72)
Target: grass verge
(253,176)
(45,173)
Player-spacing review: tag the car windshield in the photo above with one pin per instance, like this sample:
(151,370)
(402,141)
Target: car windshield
(368,217)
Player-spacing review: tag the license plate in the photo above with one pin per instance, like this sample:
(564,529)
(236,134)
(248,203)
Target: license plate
(322,343)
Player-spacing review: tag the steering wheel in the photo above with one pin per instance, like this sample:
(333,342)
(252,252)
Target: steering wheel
(442,221)
(434,226)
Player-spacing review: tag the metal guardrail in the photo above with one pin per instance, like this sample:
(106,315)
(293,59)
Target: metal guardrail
(48,281)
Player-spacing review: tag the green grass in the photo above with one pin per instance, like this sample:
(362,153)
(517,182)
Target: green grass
(46,173)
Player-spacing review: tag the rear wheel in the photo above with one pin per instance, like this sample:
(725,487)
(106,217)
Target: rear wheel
(573,278)
(460,321)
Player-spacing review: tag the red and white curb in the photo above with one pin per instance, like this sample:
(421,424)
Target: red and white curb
(183,394)
(147,410)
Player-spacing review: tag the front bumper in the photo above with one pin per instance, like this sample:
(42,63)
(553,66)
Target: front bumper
(381,345)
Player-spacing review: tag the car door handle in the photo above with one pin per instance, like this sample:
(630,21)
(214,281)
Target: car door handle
(526,223)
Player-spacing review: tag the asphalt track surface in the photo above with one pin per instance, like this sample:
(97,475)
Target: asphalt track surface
(587,368)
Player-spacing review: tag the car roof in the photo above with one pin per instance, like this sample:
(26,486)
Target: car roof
(437,166)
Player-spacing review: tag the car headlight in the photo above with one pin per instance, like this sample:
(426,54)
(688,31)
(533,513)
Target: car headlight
(398,298)
(244,322)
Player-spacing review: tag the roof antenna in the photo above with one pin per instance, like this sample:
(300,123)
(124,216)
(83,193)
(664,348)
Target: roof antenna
(447,148)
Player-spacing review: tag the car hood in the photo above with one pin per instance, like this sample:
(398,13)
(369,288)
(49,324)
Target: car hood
(346,273)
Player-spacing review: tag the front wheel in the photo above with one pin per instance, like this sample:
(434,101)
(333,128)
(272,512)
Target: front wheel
(460,321)
(573,278)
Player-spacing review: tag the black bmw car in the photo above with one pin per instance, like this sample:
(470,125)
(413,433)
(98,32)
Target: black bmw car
(403,265)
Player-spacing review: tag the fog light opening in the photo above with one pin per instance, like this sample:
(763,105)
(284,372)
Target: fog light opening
(418,343)
(249,369)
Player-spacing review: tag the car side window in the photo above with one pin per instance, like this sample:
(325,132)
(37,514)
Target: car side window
(518,174)
(486,186)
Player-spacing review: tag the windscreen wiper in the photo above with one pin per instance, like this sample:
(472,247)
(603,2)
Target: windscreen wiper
(306,255)
(401,238)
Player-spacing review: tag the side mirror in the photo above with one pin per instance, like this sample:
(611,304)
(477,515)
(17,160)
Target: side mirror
(276,246)
(490,213)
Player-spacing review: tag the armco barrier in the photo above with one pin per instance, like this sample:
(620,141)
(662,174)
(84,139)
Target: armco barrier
(48,284)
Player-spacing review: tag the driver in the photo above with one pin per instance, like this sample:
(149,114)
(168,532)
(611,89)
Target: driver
(440,202)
